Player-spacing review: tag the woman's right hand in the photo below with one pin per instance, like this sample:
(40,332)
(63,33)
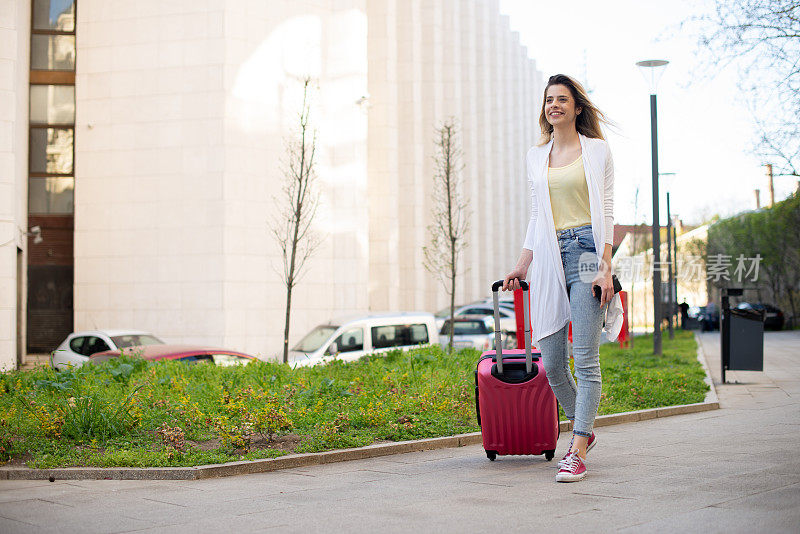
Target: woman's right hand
(511,281)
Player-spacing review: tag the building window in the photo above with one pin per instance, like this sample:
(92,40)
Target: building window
(54,16)
(52,108)
(53,52)
(51,173)
(51,196)
(53,104)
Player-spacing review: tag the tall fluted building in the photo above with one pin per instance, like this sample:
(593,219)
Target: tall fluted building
(147,142)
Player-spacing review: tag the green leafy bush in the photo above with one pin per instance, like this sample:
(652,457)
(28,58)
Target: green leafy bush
(131,412)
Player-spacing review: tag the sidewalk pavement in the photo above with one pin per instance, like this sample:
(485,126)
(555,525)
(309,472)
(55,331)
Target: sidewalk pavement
(730,470)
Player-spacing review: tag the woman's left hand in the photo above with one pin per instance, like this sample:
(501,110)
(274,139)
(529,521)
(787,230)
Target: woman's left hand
(606,285)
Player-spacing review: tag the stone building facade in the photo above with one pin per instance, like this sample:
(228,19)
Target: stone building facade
(179,122)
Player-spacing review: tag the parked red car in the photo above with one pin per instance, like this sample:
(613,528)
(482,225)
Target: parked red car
(184,353)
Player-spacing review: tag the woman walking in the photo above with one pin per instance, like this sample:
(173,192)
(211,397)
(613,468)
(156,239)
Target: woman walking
(569,238)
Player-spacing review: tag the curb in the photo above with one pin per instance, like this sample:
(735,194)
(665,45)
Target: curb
(711,396)
(239,468)
(289,461)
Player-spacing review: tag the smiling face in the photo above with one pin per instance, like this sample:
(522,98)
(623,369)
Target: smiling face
(559,106)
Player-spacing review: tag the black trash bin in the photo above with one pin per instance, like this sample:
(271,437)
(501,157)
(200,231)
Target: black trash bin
(742,338)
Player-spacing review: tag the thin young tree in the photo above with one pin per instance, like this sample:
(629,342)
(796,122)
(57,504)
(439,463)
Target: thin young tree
(761,39)
(297,206)
(449,213)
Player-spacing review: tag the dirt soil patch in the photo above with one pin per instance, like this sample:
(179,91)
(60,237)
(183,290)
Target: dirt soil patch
(288,443)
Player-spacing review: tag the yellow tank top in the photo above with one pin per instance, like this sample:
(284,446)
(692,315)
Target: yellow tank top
(569,195)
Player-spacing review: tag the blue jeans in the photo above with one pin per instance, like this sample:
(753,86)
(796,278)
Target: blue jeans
(579,401)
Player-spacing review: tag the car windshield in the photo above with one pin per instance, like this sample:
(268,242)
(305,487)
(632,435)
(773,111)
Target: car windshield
(315,338)
(132,340)
(465,328)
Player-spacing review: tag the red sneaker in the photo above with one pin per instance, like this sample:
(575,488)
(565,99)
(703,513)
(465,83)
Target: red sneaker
(592,441)
(571,469)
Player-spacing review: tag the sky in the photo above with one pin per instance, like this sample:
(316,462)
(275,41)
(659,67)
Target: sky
(705,132)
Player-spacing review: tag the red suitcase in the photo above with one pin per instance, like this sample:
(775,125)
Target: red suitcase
(517,411)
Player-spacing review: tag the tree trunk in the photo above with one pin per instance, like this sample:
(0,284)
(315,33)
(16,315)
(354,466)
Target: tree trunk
(452,239)
(790,294)
(452,294)
(290,280)
(630,315)
(286,326)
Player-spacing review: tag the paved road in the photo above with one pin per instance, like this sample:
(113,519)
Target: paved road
(731,470)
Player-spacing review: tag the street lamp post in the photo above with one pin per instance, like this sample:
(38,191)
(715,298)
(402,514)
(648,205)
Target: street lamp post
(670,296)
(671,246)
(674,267)
(652,69)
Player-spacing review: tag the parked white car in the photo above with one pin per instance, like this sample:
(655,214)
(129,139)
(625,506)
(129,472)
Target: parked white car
(350,338)
(76,349)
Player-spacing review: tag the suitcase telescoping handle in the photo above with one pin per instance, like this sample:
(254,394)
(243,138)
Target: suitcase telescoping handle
(498,345)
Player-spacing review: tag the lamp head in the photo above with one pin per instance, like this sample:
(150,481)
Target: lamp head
(652,69)
(667,179)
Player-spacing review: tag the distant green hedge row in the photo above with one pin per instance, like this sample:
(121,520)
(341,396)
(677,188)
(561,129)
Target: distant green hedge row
(771,235)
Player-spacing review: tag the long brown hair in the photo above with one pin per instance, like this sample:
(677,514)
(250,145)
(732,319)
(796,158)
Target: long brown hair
(588,120)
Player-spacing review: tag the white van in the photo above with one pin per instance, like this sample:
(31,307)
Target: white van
(350,338)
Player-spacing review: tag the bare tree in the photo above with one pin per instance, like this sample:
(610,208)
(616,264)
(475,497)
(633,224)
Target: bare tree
(297,206)
(449,213)
(761,38)
(779,142)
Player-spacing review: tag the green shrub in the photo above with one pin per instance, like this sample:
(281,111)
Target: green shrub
(131,412)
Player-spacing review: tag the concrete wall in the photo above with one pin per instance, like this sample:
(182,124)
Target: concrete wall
(182,119)
(14,67)
(271,47)
(448,59)
(149,164)
(383,152)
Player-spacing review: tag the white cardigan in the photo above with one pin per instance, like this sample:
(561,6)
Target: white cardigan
(549,302)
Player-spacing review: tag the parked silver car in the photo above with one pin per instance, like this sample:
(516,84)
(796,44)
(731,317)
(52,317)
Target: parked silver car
(508,318)
(76,349)
(474,331)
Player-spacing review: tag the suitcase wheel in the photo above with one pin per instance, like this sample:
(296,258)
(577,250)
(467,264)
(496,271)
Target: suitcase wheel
(548,455)
(492,455)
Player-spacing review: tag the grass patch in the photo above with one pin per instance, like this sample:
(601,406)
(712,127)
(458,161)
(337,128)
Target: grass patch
(130,412)
(635,379)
